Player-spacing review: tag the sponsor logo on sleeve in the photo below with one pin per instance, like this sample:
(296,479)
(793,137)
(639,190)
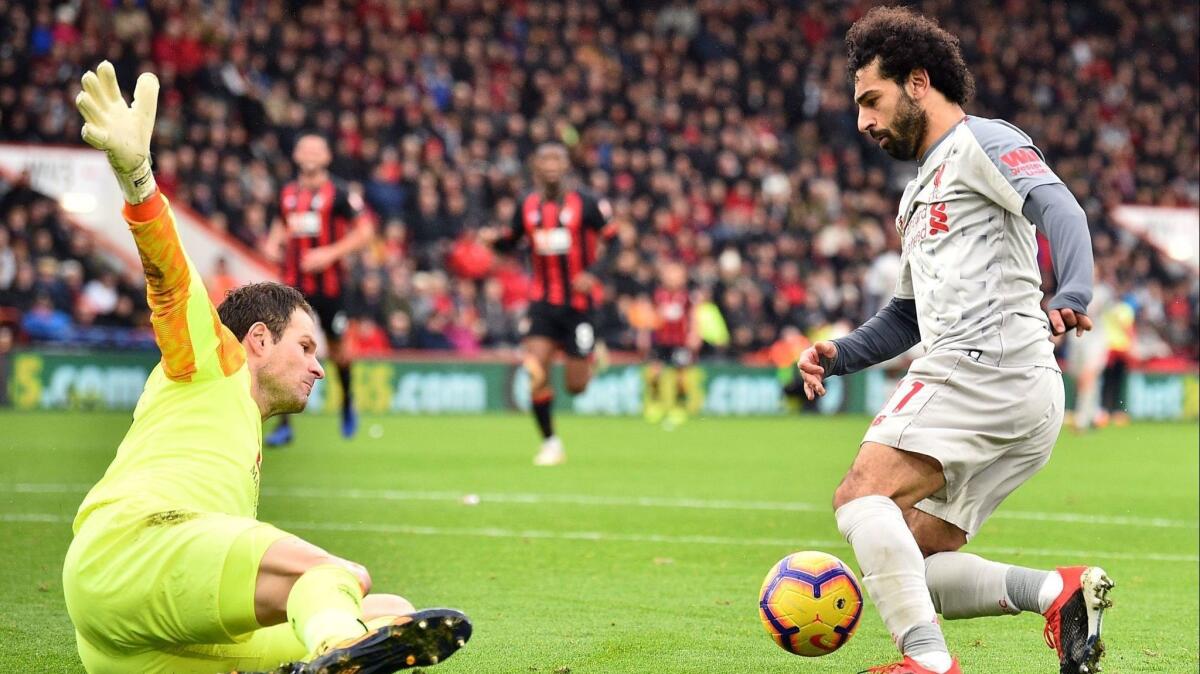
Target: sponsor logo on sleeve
(1024,162)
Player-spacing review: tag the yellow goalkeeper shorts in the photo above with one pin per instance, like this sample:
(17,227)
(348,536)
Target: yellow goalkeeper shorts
(171,591)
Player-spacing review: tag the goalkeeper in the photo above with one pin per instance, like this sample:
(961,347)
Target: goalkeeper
(169,570)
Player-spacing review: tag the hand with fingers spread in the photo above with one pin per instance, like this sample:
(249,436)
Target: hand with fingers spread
(813,363)
(123,131)
(1062,320)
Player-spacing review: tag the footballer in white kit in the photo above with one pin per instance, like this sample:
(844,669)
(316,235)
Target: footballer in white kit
(986,399)
(979,412)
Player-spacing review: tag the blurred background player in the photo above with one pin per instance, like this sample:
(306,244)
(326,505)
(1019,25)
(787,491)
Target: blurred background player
(1086,359)
(1118,323)
(672,346)
(563,228)
(169,570)
(320,224)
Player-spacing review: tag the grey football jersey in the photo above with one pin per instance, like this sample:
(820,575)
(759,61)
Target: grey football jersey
(969,256)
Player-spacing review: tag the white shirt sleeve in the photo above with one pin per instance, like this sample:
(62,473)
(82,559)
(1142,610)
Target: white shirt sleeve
(1007,166)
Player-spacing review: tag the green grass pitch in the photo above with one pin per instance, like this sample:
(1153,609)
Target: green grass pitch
(644,553)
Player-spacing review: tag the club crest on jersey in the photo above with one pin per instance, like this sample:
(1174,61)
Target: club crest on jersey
(289,202)
(937,179)
(316,202)
(565,216)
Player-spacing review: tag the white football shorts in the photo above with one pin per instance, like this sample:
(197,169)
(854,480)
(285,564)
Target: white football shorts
(991,428)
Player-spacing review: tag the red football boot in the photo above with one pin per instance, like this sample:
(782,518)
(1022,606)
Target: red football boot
(909,666)
(1073,621)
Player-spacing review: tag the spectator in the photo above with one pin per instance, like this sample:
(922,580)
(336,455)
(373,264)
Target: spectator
(399,331)
(46,322)
(499,328)
(50,284)
(123,314)
(52,261)
(719,131)
(8,261)
(221,281)
(19,295)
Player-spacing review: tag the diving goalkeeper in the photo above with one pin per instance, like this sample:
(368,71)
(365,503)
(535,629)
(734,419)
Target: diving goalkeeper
(169,570)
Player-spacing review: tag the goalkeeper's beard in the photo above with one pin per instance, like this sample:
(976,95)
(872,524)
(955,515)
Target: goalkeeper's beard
(279,396)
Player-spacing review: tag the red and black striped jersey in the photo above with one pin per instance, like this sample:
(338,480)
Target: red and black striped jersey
(674,309)
(563,235)
(314,218)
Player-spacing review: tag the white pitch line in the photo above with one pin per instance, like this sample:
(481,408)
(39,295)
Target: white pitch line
(539,499)
(631,501)
(43,518)
(603,536)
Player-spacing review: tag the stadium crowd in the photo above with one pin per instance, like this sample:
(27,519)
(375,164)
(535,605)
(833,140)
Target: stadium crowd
(723,132)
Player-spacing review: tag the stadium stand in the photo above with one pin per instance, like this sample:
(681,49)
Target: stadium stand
(723,132)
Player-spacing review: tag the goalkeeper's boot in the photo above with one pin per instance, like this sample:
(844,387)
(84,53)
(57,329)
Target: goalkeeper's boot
(1074,620)
(420,639)
(281,436)
(349,421)
(910,666)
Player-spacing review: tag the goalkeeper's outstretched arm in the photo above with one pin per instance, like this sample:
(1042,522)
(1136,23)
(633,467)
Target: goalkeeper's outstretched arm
(187,329)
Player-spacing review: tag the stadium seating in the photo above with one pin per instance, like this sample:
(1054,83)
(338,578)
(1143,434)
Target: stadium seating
(723,132)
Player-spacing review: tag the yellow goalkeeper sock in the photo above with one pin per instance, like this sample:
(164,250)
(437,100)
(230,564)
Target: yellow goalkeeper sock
(325,607)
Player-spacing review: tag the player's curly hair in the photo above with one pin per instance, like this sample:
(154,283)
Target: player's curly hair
(904,41)
(271,303)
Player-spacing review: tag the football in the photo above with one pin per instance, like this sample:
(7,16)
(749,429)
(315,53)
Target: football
(810,603)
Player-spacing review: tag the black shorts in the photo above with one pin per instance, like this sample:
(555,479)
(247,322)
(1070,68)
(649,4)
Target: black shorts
(331,314)
(675,356)
(568,327)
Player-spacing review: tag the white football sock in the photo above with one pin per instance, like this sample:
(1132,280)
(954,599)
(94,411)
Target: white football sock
(963,585)
(1032,590)
(934,661)
(893,570)
(1052,586)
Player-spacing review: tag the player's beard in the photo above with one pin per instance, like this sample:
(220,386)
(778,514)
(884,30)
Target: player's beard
(280,395)
(907,130)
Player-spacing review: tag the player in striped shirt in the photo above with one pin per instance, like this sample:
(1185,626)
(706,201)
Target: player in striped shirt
(673,345)
(564,230)
(169,570)
(321,223)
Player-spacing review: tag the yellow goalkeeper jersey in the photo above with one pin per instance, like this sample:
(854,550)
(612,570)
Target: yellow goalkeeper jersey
(195,444)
